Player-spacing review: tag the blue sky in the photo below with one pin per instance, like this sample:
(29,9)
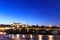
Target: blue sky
(42,12)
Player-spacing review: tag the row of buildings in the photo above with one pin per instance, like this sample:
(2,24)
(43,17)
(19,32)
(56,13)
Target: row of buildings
(27,27)
(19,25)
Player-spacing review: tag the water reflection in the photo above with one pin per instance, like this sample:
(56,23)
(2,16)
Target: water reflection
(29,37)
(40,37)
(12,36)
(17,36)
(23,36)
(50,37)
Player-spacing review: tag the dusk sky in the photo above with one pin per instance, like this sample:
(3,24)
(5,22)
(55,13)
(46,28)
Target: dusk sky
(42,12)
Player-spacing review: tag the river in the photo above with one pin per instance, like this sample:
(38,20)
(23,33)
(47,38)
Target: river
(29,37)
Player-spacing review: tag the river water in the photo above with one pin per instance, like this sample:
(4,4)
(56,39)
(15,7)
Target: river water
(29,37)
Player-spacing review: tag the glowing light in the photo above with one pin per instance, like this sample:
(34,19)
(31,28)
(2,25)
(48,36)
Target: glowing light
(7,28)
(2,28)
(31,36)
(9,35)
(40,37)
(13,27)
(23,36)
(17,35)
(4,33)
(50,37)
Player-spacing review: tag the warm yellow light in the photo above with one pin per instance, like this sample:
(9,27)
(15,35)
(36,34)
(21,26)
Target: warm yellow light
(17,35)
(2,28)
(40,37)
(13,27)
(50,37)
(23,36)
(7,28)
(4,33)
(31,36)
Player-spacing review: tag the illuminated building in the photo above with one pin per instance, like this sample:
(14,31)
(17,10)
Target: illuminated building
(3,28)
(15,25)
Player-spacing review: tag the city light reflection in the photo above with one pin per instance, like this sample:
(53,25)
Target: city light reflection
(4,33)
(31,36)
(13,36)
(50,37)
(23,36)
(40,37)
(17,35)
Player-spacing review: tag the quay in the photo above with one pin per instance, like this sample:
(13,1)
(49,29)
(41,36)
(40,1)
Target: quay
(17,28)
